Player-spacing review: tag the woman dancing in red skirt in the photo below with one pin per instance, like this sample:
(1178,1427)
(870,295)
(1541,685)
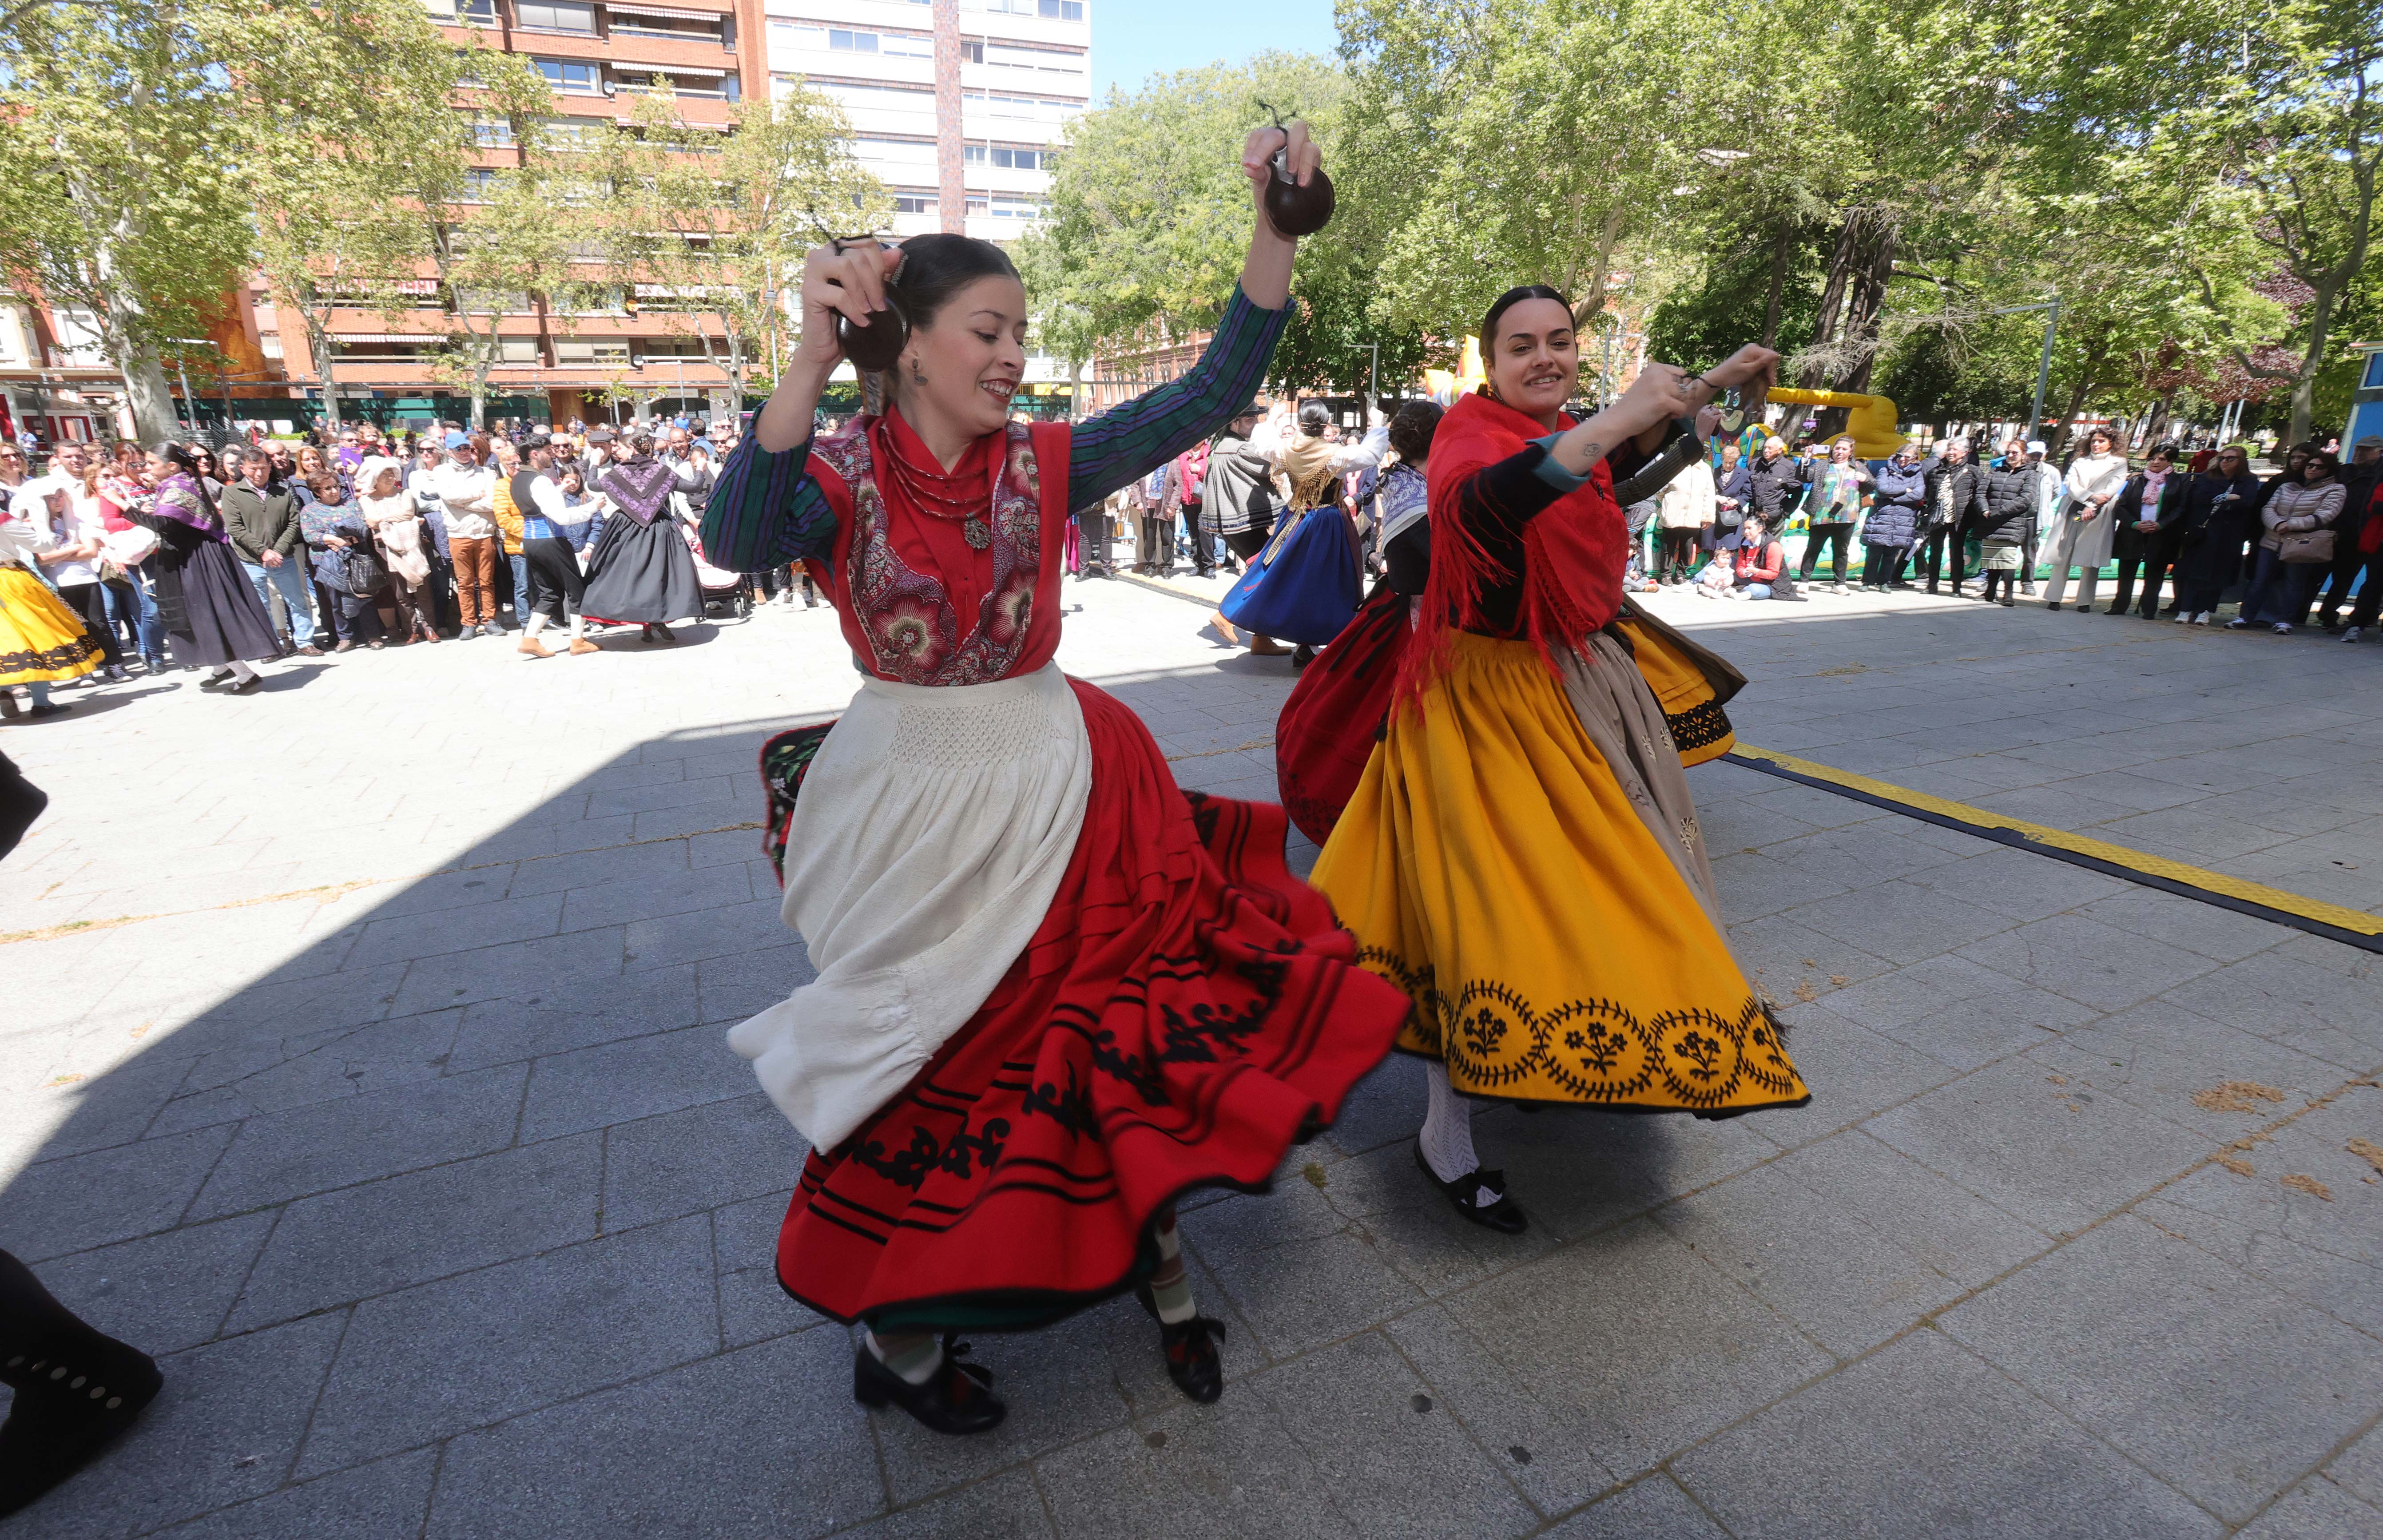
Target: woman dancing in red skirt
(1055,992)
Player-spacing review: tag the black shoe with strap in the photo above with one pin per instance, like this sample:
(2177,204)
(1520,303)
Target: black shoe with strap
(1500,1213)
(1193,1361)
(72,1399)
(957,1398)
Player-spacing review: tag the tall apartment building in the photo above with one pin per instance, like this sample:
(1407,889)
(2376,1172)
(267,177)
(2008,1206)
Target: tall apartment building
(707,53)
(956,106)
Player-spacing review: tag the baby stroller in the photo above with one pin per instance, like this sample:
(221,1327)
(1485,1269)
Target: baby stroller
(718,585)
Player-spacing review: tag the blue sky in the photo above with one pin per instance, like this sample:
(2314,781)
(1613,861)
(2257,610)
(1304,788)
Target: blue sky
(1135,38)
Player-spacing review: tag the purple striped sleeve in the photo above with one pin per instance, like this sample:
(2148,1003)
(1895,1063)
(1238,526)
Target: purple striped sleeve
(1133,437)
(767,509)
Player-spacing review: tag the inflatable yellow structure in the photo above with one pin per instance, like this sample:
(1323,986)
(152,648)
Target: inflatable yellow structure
(1870,419)
(1445,388)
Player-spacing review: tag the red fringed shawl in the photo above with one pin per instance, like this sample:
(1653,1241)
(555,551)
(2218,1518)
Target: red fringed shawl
(1574,550)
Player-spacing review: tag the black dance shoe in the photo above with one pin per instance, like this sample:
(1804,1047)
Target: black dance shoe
(958,1399)
(1193,1361)
(67,1408)
(1464,1193)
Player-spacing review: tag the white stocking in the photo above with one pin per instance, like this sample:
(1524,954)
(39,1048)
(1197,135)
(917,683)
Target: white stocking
(535,624)
(1447,1127)
(240,671)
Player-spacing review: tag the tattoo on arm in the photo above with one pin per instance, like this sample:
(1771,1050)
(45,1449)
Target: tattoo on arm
(1592,451)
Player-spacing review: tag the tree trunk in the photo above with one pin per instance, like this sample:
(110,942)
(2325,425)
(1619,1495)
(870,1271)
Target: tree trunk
(323,369)
(2155,424)
(1782,247)
(2076,401)
(1608,235)
(1832,297)
(2321,305)
(145,390)
(1869,302)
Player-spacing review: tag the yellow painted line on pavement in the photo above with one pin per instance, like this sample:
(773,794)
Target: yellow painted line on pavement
(2354,926)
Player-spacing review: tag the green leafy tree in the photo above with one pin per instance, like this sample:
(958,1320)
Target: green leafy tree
(1150,216)
(124,126)
(715,227)
(2265,113)
(329,234)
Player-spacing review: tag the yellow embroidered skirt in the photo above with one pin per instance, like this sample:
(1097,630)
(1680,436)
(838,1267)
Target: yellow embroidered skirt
(1522,859)
(40,637)
(1682,676)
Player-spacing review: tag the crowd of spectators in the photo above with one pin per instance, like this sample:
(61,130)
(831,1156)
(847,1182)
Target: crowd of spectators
(357,538)
(352,539)
(2184,535)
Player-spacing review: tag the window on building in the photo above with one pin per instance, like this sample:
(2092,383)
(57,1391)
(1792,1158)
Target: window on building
(1061,11)
(663,23)
(492,133)
(458,12)
(517,350)
(914,202)
(897,152)
(572,135)
(573,75)
(1055,61)
(479,185)
(972,50)
(1007,207)
(596,351)
(553,15)
(843,41)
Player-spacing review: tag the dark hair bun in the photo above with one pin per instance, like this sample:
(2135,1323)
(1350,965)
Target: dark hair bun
(1413,429)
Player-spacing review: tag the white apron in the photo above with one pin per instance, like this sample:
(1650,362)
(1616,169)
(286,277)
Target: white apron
(930,835)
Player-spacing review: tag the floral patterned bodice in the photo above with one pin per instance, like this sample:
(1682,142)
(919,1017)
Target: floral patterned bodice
(910,620)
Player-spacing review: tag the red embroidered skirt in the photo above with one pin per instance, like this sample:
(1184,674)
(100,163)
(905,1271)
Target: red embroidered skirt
(1186,1011)
(1329,725)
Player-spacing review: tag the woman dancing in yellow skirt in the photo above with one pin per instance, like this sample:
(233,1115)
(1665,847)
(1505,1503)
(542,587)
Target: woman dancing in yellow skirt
(1522,855)
(42,641)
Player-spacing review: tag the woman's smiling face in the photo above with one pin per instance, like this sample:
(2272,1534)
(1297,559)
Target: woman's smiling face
(1534,361)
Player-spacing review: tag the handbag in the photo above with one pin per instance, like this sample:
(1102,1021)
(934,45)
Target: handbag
(1304,586)
(2305,547)
(361,571)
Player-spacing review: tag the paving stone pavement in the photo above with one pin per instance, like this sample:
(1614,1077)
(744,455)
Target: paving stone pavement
(397,1120)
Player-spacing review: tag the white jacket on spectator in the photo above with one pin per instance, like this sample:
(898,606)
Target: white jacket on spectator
(2090,476)
(1687,498)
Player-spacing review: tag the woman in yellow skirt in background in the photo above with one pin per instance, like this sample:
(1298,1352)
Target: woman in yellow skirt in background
(1522,855)
(42,641)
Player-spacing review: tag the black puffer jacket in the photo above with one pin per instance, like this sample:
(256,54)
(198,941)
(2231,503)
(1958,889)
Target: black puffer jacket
(2009,518)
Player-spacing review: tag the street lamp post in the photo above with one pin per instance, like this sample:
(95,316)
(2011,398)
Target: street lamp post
(1372,373)
(2044,369)
(189,403)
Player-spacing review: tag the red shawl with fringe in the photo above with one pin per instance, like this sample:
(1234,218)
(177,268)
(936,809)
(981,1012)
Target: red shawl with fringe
(1574,550)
